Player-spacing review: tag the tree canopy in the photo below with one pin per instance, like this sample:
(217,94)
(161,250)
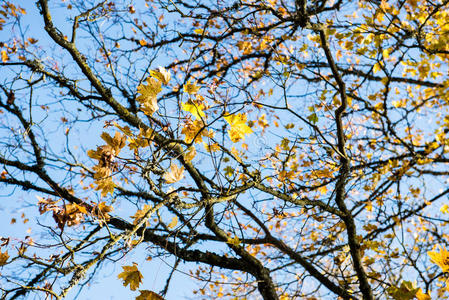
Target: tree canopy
(275,149)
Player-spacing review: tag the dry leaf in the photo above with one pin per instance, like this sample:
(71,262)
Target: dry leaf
(234,241)
(238,127)
(173,222)
(141,213)
(175,174)
(148,295)
(3,258)
(161,74)
(190,154)
(132,276)
(191,88)
(148,96)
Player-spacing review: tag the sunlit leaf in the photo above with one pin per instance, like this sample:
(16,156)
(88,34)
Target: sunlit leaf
(131,276)
(3,258)
(175,174)
(238,127)
(194,109)
(440,258)
(148,95)
(148,295)
(405,292)
(191,88)
(235,241)
(161,74)
(173,222)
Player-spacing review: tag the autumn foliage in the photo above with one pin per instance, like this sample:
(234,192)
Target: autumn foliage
(272,149)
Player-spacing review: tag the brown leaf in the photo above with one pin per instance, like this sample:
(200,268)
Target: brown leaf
(132,276)
(3,258)
(148,295)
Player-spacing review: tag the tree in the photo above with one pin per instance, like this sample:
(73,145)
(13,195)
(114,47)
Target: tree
(276,149)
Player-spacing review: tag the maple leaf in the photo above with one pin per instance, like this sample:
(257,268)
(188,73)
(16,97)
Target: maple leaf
(175,174)
(117,142)
(440,258)
(405,292)
(46,204)
(3,258)
(212,147)
(148,96)
(195,131)
(191,88)
(173,222)
(141,213)
(190,153)
(101,211)
(105,155)
(132,276)
(194,109)
(444,209)
(148,295)
(70,214)
(421,296)
(229,171)
(235,241)
(126,130)
(106,186)
(74,214)
(238,127)
(4,56)
(161,74)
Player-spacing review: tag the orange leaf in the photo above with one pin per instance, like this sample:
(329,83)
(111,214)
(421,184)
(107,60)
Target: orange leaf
(3,258)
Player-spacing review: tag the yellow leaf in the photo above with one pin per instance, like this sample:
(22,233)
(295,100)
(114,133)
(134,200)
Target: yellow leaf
(421,296)
(3,258)
(141,213)
(148,295)
(440,258)
(238,127)
(94,154)
(195,130)
(444,209)
(126,130)
(405,292)
(173,222)
(190,154)
(229,171)
(195,110)
(191,88)
(175,174)
(102,210)
(376,68)
(234,241)
(106,186)
(148,96)
(117,142)
(131,276)
(212,147)
(199,31)
(161,74)
(5,57)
